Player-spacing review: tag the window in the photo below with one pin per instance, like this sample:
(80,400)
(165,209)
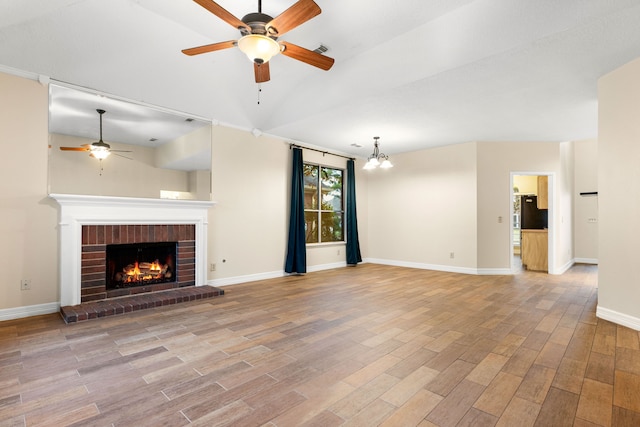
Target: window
(323,207)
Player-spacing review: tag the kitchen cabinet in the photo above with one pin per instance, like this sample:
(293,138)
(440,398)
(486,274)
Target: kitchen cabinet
(534,250)
(543,192)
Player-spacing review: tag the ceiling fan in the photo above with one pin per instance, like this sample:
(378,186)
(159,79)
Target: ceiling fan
(260,33)
(99,149)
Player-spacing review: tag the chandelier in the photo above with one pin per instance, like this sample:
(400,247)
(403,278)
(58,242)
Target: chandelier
(377,158)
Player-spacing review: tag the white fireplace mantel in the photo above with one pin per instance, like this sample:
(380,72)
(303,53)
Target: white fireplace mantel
(79,210)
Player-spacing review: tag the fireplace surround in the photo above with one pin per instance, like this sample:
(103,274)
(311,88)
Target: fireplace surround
(97,240)
(86,219)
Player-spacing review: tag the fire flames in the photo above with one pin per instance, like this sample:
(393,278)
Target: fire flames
(144,271)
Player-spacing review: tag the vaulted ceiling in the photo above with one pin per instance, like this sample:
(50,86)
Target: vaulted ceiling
(417,73)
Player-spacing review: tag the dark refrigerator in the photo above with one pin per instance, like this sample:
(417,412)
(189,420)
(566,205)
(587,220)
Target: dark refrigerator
(532,218)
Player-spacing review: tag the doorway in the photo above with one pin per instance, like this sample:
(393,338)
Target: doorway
(531,236)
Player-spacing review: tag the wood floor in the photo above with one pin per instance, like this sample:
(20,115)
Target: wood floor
(364,346)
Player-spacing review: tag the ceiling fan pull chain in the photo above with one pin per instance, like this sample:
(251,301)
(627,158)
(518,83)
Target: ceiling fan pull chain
(259,90)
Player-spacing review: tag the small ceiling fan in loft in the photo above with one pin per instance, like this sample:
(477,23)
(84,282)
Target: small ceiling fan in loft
(99,149)
(260,33)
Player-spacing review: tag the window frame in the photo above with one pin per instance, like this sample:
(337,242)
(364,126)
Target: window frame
(319,209)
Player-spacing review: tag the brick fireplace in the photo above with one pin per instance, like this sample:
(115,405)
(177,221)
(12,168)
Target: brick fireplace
(95,238)
(89,223)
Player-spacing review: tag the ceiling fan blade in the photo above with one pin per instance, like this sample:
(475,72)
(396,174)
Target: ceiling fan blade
(308,56)
(209,48)
(120,151)
(299,13)
(262,72)
(222,13)
(74,149)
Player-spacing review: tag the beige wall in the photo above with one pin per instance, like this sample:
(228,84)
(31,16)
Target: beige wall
(586,207)
(424,208)
(29,218)
(249,224)
(249,185)
(619,195)
(496,162)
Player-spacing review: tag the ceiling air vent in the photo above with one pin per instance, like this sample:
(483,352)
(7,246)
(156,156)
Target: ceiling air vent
(321,49)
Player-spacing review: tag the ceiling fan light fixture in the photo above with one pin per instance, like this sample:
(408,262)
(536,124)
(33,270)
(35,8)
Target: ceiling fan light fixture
(258,48)
(100,150)
(99,153)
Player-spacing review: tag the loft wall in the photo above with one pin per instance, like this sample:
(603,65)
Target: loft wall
(78,173)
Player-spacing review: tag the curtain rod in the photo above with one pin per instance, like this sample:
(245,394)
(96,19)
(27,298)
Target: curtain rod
(320,151)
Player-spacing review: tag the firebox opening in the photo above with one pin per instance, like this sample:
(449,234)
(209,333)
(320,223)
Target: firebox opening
(140,264)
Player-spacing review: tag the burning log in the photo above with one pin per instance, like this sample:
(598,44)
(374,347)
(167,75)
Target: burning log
(144,271)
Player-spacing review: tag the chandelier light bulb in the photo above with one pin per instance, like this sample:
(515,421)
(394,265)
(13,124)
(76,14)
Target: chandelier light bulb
(386,164)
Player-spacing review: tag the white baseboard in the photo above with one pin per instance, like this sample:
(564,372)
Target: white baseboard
(422,266)
(618,318)
(29,310)
(586,260)
(396,263)
(269,275)
(563,269)
(244,279)
(494,272)
(331,266)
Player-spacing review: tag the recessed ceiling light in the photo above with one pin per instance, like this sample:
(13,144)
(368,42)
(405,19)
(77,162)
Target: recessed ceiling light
(153,139)
(355,144)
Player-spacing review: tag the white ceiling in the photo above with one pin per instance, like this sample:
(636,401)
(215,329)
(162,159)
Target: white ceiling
(417,73)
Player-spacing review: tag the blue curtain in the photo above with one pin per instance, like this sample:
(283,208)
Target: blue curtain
(353,244)
(296,248)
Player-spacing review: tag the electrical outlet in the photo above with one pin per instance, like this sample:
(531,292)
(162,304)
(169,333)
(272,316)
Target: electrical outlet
(338,251)
(452,255)
(25,284)
(212,266)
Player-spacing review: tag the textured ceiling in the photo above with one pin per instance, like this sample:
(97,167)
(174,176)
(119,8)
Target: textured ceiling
(417,73)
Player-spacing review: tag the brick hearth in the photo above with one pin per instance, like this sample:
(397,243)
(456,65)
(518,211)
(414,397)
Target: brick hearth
(115,306)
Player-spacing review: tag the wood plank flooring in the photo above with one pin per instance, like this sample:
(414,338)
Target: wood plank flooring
(364,346)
